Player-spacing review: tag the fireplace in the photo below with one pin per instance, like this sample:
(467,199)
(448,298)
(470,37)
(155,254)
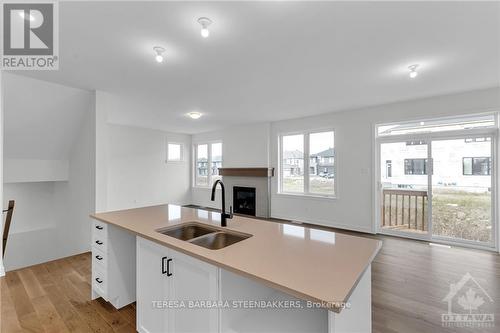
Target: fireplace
(244,200)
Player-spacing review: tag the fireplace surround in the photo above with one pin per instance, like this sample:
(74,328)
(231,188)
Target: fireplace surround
(258,179)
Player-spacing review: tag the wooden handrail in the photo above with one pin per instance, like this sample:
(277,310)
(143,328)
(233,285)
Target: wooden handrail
(404,213)
(8,219)
(405,192)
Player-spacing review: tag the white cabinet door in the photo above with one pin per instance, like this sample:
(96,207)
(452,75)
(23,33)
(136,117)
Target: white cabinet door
(152,287)
(192,282)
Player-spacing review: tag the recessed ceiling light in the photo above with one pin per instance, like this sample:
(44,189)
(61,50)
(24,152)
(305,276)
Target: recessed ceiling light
(159,53)
(413,71)
(194,115)
(204,22)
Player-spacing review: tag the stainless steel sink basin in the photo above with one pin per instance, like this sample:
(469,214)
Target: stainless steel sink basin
(219,240)
(209,237)
(188,231)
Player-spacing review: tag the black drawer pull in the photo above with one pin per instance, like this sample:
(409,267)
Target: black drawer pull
(98,280)
(98,242)
(168,267)
(163,269)
(99,227)
(98,257)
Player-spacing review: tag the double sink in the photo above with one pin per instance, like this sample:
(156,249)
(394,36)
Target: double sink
(204,235)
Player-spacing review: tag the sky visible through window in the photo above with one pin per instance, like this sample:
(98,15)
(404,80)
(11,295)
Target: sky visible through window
(318,142)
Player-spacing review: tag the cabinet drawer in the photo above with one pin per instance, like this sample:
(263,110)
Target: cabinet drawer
(100,280)
(100,242)
(99,258)
(100,228)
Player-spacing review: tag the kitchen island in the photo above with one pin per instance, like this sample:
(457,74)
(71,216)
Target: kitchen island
(278,278)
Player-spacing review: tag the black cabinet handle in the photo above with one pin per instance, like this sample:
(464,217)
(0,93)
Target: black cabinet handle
(163,269)
(98,280)
(98,257)
(99,227)
(98,242)
(165,266)
(168,267)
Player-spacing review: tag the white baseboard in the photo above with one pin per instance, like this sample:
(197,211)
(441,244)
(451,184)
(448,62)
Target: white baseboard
(2,270)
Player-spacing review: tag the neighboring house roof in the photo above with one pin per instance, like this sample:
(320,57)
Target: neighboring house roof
(293,154)
(330,152)
(214,159)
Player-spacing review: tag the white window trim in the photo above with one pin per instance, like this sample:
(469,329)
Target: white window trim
(209,162)
(181,159)
(306,193)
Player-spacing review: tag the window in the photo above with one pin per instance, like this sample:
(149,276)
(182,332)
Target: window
(476,166)
(438,125)
(308,163)
(208,160)
(216,161)
(388,168)
(292,167)
(416,166)
(416,143)
(470,140)
(174,152)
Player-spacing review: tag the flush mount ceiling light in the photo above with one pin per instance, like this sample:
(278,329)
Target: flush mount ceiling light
(194,115)
(413,71)
(204,22)
(159,53)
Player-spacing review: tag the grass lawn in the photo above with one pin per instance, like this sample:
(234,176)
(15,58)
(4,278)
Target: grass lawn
(318,185)
(461,214)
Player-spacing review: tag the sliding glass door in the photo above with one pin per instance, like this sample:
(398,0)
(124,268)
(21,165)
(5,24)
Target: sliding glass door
(437,180)
(462,189)
(404,188)
(438,189)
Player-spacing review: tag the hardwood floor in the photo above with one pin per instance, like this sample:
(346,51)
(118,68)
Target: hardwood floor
(55,297)
(410,279)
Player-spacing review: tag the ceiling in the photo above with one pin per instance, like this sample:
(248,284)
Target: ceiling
(268,61)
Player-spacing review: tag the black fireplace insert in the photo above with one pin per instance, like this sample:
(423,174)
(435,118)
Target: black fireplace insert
(244,200)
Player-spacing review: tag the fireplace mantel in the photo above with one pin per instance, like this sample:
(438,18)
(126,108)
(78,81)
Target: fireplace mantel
(247,172)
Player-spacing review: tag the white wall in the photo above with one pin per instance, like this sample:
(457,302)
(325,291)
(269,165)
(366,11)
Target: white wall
(33,234)
(242,146)
(354,143)
(49,155)
(138,174)
(354,140)
(130,167)
(18,170)
(2,269)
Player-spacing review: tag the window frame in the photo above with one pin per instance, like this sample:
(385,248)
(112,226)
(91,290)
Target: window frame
(209,162)
(181,158)
(425,166)
(306,193)
(472,165)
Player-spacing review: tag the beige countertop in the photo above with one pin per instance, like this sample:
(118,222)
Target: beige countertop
(310,264)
